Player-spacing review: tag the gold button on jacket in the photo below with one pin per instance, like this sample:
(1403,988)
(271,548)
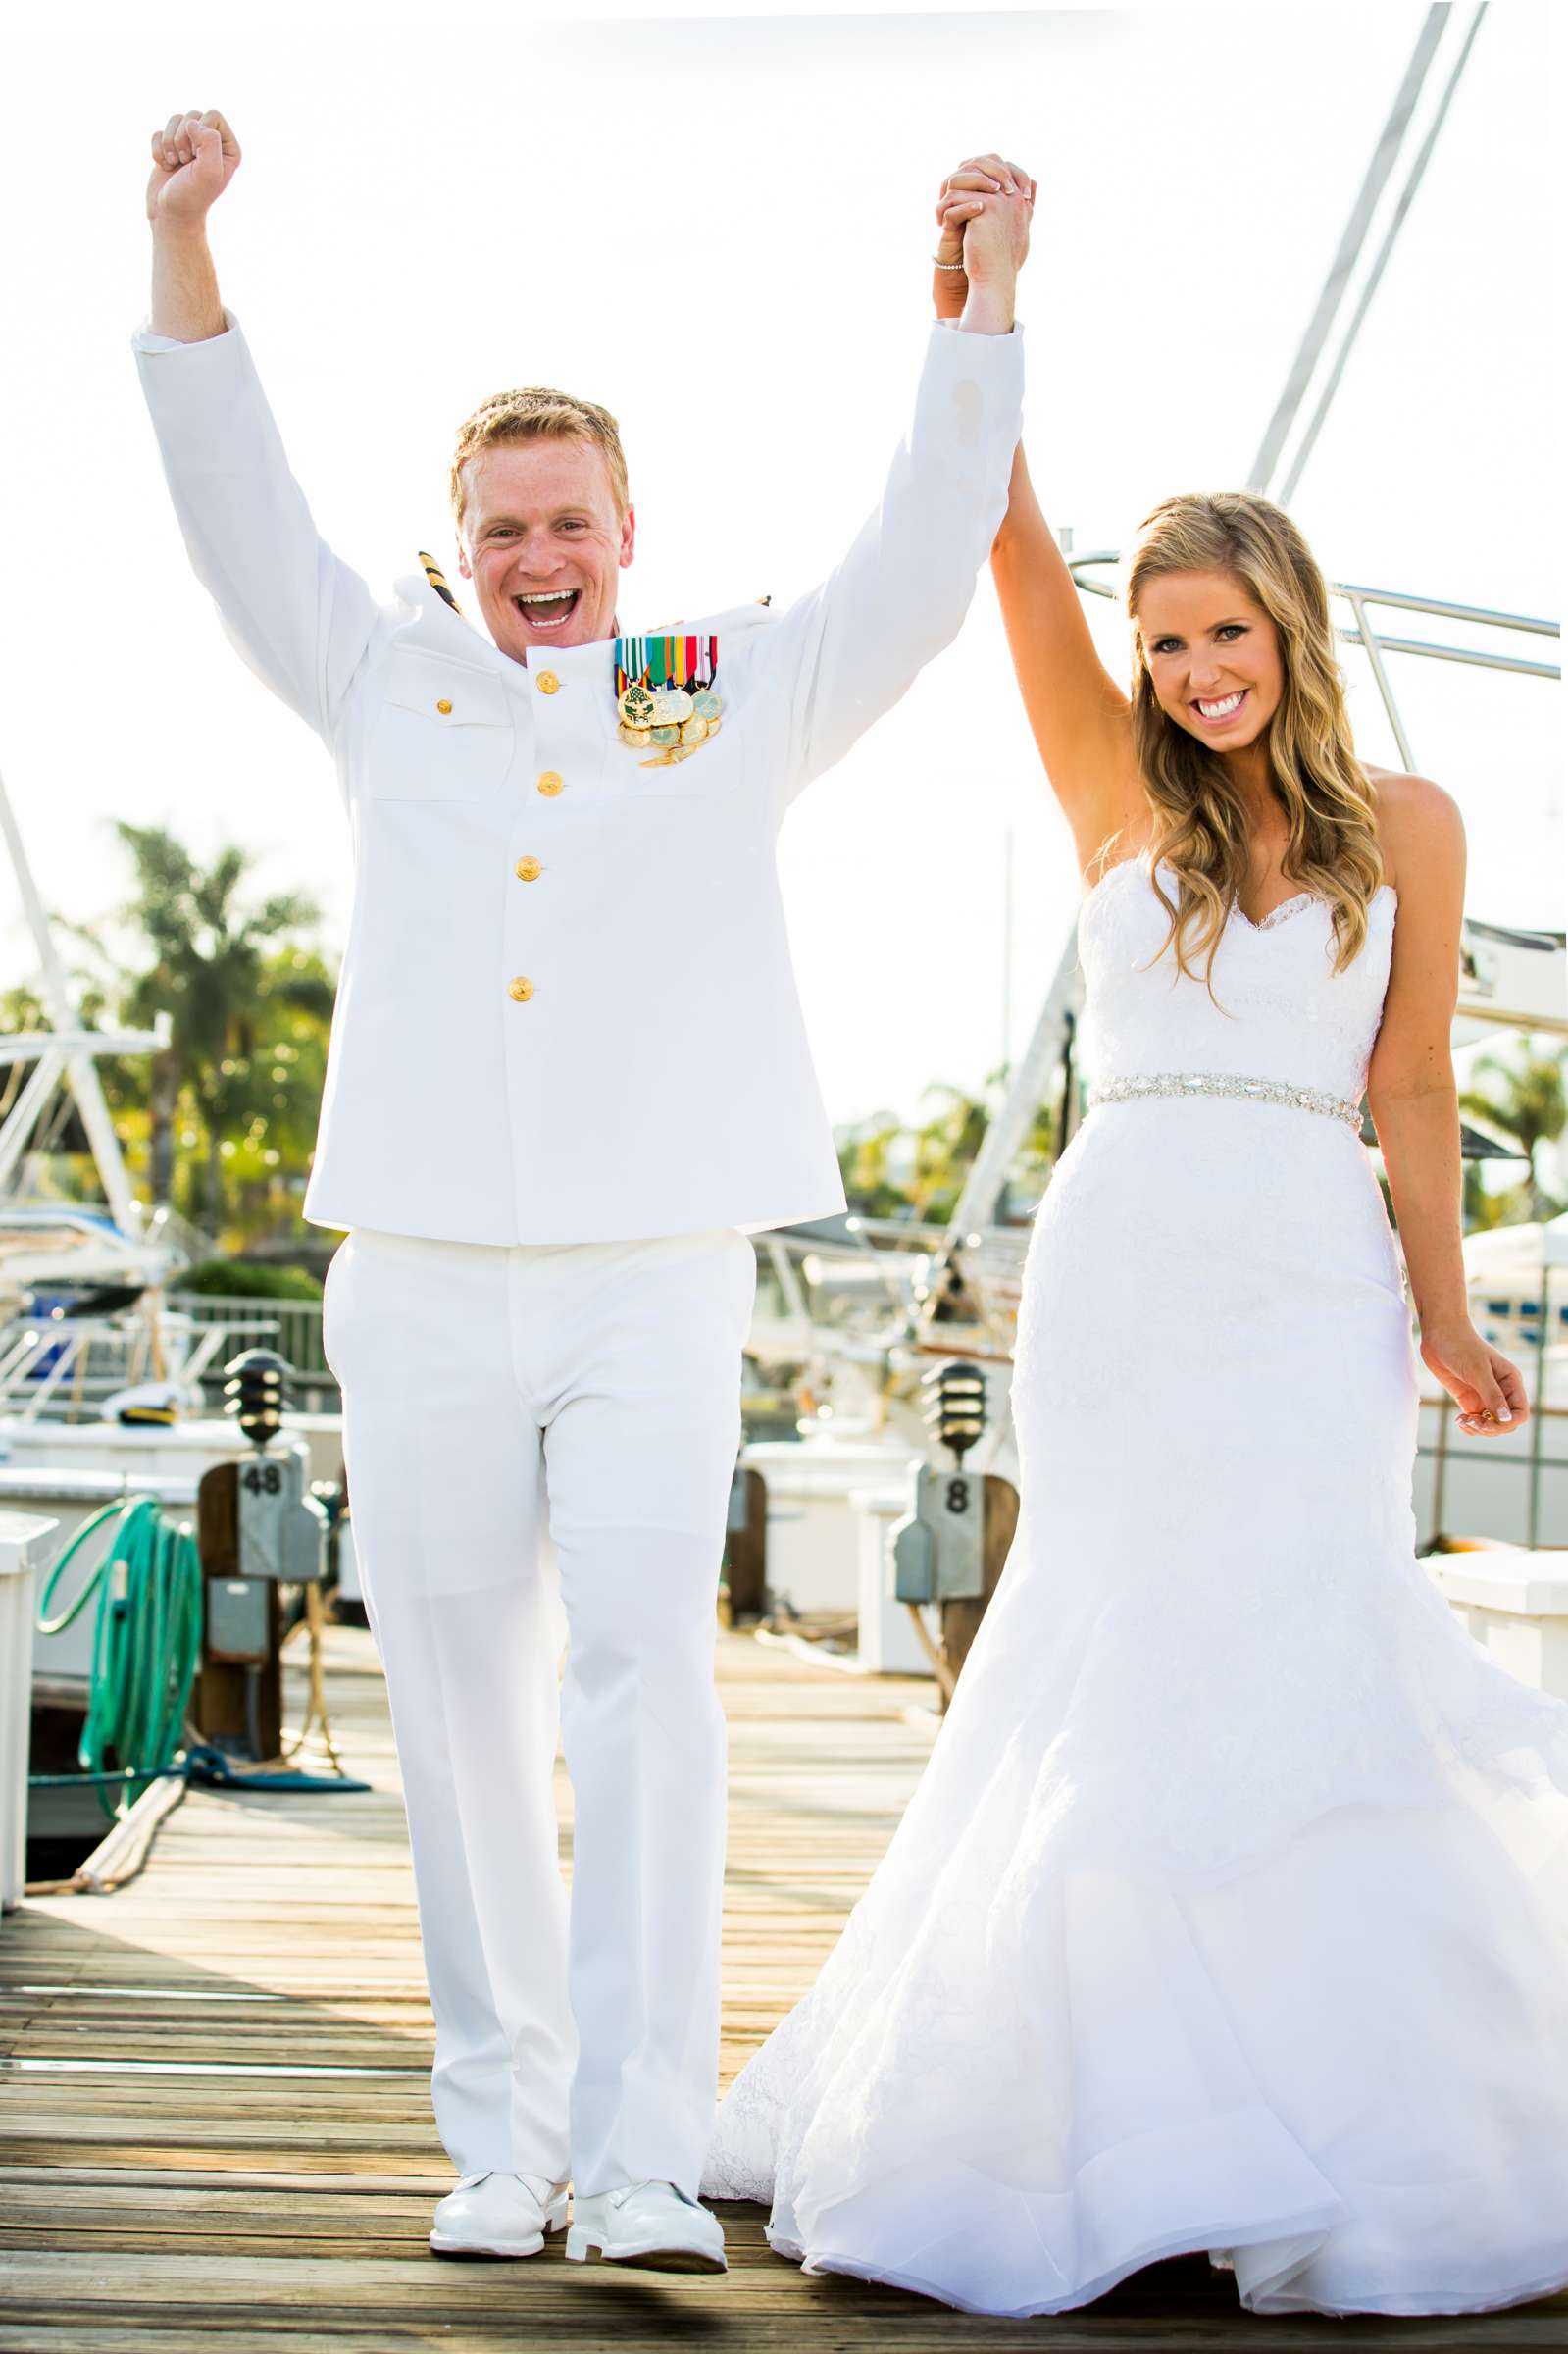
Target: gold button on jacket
(527,870)
(521,990)
(550,783)
(444,706)
(549,681)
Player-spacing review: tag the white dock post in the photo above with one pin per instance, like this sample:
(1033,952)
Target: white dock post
(22,1538)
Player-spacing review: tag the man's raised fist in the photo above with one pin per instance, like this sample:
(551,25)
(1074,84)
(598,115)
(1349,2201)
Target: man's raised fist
(194,157)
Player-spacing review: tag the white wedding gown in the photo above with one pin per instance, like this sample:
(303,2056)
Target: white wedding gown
(1231,1910)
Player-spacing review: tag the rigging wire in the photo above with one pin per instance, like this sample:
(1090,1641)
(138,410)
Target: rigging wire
(1354,236)
(1375,275)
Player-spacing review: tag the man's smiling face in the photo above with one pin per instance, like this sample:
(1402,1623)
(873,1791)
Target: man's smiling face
(543,542)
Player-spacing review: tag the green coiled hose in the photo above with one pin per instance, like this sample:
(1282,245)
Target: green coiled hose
(146,1643)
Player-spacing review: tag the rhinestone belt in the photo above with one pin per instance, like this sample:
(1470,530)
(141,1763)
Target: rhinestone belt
(1227,1083)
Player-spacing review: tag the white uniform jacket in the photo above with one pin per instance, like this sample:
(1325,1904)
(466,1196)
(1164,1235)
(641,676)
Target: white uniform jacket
(611,1046)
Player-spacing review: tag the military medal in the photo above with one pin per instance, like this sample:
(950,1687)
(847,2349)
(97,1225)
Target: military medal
(665,695)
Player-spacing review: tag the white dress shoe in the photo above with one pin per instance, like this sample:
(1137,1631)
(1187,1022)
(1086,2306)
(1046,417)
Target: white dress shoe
(648,2224)
(498,2214)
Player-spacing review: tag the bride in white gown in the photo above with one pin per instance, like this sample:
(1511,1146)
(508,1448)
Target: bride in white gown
(1232,1911)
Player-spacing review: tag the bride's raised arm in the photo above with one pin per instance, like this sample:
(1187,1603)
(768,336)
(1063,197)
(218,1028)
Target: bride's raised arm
(1080,716)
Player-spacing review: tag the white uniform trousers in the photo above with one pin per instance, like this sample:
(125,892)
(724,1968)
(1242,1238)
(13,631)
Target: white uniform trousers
(592,1389)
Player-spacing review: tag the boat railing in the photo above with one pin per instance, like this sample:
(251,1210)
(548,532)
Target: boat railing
(293,1327)
(61,1368)
(1363,631)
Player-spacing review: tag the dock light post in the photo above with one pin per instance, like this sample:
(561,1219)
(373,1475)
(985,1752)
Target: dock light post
(956,1407)
(256,1393)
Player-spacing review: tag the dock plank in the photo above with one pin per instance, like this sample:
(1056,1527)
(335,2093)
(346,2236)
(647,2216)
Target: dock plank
(213,2103)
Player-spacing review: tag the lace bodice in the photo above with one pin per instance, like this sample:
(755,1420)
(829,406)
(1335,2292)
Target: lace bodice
(1281,1012)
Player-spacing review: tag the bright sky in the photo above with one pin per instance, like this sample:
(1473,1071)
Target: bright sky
(719,227)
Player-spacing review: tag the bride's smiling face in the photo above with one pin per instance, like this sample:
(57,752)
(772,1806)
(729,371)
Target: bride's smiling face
(1213,656)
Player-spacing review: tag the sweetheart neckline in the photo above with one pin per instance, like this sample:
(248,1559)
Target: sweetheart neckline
(1265,923)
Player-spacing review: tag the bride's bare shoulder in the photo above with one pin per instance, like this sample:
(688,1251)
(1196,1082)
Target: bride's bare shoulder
(1419,826)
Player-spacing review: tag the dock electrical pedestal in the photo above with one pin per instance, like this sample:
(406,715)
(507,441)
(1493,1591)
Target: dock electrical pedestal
(259,1529)
(952,1547)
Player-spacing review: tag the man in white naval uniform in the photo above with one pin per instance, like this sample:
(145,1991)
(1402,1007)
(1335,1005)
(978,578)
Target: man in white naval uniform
(568,1076)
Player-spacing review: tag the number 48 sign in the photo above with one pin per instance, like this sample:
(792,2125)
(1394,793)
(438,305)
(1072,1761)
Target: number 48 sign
(282,1529)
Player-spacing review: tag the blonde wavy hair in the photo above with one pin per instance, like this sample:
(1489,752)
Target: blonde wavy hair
(1201,820)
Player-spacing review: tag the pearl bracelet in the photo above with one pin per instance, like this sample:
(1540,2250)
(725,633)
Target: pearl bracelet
(937,265)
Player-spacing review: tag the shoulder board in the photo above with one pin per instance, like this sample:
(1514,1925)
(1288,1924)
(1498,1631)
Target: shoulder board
(438,581)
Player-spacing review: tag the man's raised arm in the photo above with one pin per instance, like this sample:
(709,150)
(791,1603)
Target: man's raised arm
(302,620)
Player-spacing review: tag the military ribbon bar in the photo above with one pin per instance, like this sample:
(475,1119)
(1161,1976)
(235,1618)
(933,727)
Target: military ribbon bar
(666,661)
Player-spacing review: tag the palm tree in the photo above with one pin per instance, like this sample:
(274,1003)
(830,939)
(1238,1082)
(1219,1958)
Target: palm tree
(940,1152)
(949,1138)
(1526,1099)
(261,1110)
(946,1145)
(213,971)
(865,1155)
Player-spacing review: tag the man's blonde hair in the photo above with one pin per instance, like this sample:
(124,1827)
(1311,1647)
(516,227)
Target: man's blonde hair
(538,413)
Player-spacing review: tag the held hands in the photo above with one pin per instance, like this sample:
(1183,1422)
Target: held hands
(983,213)
(1487,1389)
(194,157)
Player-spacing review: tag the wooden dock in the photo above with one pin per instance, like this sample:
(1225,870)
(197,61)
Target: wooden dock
(216,2122)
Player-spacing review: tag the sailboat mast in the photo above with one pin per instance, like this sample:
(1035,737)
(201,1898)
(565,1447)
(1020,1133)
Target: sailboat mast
(79,1070)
